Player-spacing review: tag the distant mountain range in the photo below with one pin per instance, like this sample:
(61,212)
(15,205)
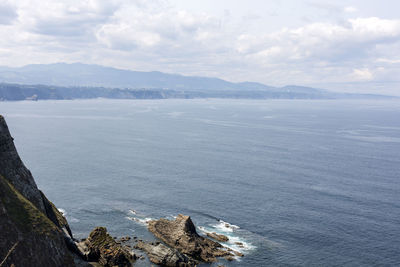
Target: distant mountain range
(71,81)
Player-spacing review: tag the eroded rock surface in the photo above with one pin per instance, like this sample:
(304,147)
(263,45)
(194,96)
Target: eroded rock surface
(181,234)
(13,169)
(218,237)
(32,231)
(102,248)
(165,256)
(27,236)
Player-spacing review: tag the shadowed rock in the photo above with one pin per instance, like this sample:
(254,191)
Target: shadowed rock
(181,234)
(27,217)
(13,169)
(102,248)
(27,236)
(165,256)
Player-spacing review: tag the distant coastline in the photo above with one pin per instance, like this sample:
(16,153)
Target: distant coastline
(83,81)
(19,92)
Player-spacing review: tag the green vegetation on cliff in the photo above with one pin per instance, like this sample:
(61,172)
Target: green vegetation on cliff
(22,212)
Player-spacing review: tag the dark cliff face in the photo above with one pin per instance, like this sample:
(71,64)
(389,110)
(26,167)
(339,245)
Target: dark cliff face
(32,230)
(14,169)
(27,236)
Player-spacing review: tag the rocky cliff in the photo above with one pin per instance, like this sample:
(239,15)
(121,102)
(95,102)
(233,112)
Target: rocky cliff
(32,231)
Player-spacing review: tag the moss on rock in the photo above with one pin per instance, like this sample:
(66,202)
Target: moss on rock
(104,249)
(40,241)
(23,212)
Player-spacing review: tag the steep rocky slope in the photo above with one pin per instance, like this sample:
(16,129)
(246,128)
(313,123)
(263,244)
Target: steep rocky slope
(13,169)
(31,227)
(32,230)
(27,233)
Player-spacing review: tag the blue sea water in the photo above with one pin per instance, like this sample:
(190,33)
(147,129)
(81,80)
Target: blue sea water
(299,182)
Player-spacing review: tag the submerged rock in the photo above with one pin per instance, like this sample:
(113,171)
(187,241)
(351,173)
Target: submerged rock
(239,244)
(102,248)
(218,237)
(181,234)
(165,256)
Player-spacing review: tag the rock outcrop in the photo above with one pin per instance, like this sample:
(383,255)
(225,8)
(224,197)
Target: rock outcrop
(13,169)
(218,237)
(32,231)
(27,236)
(165,256)
(102,248)
(181,234)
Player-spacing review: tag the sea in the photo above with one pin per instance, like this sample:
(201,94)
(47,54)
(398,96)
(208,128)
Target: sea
(297,182)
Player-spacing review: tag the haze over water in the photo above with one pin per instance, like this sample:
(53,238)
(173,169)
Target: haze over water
(300,182)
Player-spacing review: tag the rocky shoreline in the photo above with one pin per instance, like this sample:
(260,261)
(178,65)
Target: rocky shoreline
(33,232)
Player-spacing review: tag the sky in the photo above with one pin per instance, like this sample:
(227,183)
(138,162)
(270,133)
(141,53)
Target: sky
(350,46)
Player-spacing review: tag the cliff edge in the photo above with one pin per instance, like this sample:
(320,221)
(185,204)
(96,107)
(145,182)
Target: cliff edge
(32,231)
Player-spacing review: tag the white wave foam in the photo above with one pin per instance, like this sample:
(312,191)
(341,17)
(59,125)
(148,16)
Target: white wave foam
(73,219)
(63,212)
(226,227)
(143,221)
(239,244)
(70,218)
(235,242)
(132,212)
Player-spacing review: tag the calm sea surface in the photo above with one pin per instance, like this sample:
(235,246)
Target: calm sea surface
(299,182)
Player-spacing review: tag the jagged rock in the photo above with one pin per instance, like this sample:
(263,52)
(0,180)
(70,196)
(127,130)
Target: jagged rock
(240,244)
(28,218)
(124,239)
(27,236)
(218,237)
(13,169)
(237,253)
(165,256)
(181,234)
(229,258)
(101,247)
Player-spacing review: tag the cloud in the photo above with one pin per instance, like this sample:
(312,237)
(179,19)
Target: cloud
(64,19)
(362,74)
(154,28)
(156,35)
(323,41)
(388,60)
(8,13)
(350,9)
(323,51)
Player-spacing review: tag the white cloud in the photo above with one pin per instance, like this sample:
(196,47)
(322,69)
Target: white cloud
(8,13)
(362,74)
(325,41)
(155,35)
(388,60)
(350,9)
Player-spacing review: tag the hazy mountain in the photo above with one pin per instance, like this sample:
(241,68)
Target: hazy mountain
(72,81)
(77,74)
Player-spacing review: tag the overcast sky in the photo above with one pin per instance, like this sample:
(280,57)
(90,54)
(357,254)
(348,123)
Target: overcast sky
(349,45)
